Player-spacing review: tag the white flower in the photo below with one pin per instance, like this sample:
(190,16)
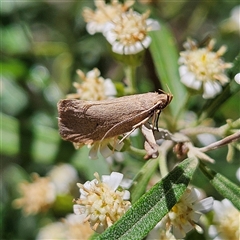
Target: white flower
(53,231)
(104,13)
(104,147)
(203,69)
(160,234)
(235,18)
(63,176)
(127,33)
(93,87)
(226,221)
(77,228)
(237,78)
(238,174)
(37,196)
(186,213)
(101,202)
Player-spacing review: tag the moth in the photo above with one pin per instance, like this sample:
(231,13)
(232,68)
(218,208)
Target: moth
(85,122)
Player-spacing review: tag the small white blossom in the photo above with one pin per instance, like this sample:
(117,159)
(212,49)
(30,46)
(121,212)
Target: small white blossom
(203,69)
(183,217)
(52,231)
(63,176)
(235,18)
(101,203)
(104,13)
(93,86)
(36,196)
(71,227)
(127,33)
(160,234)
(226,221)
(103,147)
(238,174)
(237,78)
(77,228)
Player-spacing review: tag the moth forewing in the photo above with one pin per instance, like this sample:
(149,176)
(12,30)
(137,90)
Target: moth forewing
(88,121)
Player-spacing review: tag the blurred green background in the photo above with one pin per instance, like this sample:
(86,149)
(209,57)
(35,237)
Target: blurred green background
(43,43)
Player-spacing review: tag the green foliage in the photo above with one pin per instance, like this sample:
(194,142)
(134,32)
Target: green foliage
(44,43)
(223,185)
(153,205)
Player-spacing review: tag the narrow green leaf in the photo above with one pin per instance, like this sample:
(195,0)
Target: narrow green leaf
(142,179)
(154,205)
(223,185)
(165,55)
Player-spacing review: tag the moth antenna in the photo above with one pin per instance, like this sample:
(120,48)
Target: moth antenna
(160,91)
(168,89)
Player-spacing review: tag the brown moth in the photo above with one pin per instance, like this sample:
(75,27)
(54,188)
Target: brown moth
(84,122)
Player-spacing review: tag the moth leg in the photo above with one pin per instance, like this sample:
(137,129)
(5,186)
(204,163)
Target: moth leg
(158,115)
(134,128)
(155,118)
(150,144)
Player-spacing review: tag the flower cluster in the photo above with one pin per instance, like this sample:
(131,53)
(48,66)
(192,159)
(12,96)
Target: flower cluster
(39,195)
(93,86)
(203,69)
(101,201)
(226,223)
(71,227)
(125,30)
(104,13)
(184,215)
(128,33)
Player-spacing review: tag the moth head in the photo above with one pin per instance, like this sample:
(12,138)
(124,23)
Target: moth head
(167,98)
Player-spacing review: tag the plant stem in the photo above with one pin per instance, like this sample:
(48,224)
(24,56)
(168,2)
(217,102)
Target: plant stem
(222,142)
(166,145)
(136,151)
(130,72)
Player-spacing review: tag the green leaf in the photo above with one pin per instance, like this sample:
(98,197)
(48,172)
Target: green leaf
(223,185)
(13,99)
(154,205)
(142,179)
(165,55)
(44,144)
(10,129)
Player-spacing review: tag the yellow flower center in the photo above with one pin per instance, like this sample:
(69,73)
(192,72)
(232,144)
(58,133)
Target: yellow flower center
(131,27)
(91,88)
(229,225)
(205,64)
(179,214)
(105,12)
(36,196)
(103,206)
